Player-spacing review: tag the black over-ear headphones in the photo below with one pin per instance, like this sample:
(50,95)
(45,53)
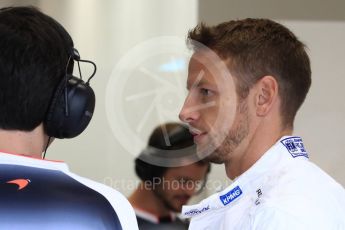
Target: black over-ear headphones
(72,105)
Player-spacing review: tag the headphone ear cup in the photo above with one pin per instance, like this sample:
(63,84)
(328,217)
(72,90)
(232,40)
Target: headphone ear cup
(79,106)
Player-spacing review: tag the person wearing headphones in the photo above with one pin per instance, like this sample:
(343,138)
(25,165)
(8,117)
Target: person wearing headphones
(40,100)
(170,175)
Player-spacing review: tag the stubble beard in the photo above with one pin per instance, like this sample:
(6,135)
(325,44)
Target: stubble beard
(231,140)
(160,194)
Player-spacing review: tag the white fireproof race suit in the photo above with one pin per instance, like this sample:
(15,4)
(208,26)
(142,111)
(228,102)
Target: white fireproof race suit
(282,190)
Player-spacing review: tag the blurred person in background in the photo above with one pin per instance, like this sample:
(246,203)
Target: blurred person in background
(164,190)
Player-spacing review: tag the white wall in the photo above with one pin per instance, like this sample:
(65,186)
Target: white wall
(321,120)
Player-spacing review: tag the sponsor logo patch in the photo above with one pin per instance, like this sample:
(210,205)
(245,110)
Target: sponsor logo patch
(231,195)
(196,211)
(295,146)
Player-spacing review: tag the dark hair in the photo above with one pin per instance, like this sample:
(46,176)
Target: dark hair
(169,136)
(254,48)
(34,54)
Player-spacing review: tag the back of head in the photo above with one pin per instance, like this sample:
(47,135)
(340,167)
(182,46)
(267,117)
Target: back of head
(171,139)
(34,54)
(254,48)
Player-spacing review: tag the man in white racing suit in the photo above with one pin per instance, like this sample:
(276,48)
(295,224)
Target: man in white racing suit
(282,190)
(246,81)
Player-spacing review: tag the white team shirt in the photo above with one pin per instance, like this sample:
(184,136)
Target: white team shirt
(282,190)
(54,180)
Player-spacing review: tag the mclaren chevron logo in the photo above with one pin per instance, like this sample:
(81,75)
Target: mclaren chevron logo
(22,183)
